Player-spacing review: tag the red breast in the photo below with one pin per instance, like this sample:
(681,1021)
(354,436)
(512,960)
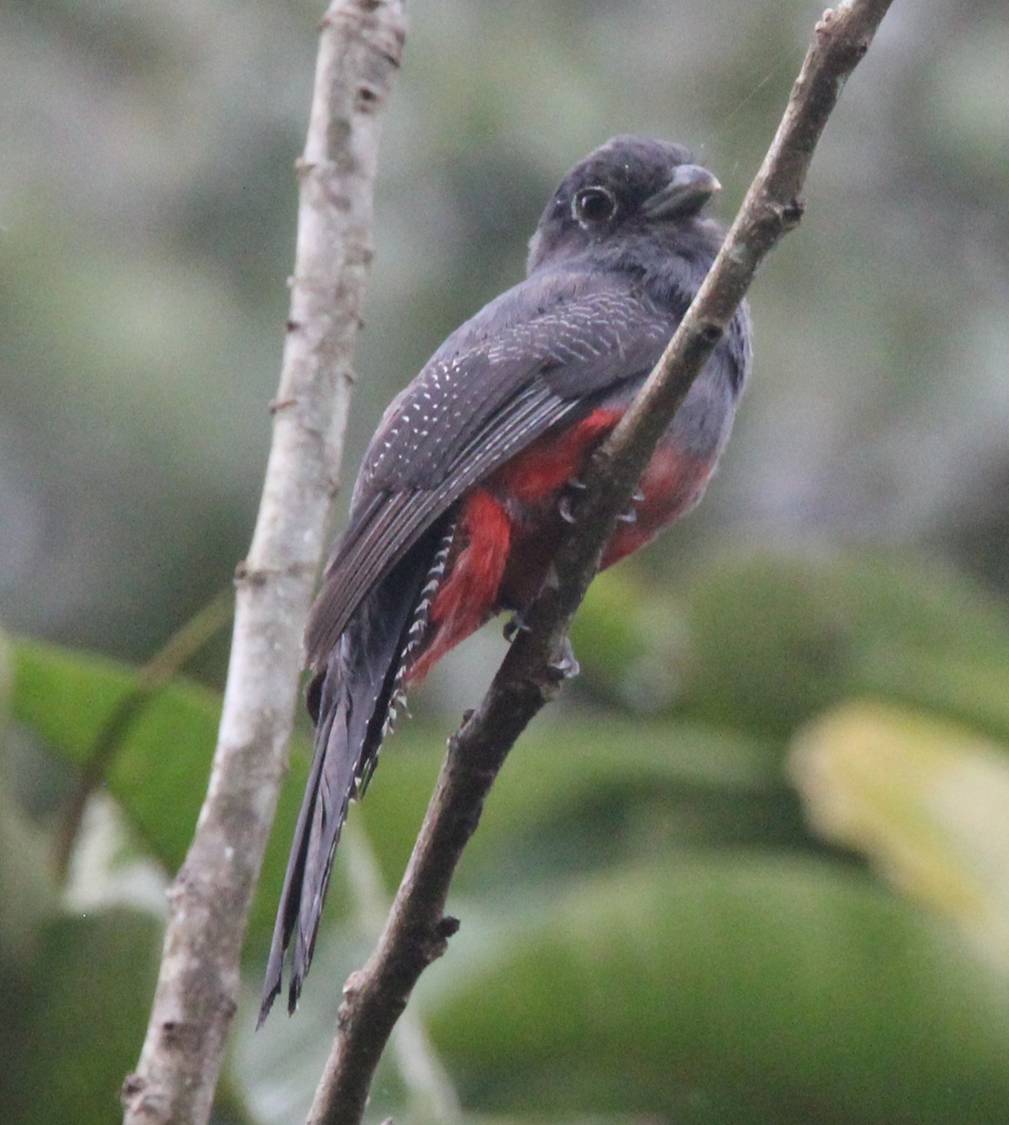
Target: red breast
(509,526)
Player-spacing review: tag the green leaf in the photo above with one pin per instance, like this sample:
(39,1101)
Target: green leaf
(577,794)
(159,772)
(628,634)
(926,801)
(775,639)
(25,880)
(76,1016)
(728,988)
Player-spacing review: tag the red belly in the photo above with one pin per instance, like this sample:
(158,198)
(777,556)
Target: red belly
(672,484)
(509,528)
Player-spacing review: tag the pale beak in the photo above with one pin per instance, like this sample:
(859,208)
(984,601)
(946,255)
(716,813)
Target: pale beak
(689,188)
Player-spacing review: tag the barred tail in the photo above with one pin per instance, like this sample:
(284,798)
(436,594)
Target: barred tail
(353,701)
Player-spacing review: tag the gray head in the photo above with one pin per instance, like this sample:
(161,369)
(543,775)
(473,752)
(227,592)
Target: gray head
(633,187)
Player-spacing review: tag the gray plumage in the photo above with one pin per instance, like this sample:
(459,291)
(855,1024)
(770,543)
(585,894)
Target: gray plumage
(602,298)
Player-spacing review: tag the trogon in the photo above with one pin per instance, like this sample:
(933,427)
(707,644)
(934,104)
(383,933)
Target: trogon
(460,500)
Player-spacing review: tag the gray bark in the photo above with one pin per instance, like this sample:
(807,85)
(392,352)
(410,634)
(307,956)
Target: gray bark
(359,50)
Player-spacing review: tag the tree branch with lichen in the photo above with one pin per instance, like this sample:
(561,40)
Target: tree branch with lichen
(417,928)
(360,45)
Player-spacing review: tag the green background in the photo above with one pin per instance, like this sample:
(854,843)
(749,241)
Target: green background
(751,868)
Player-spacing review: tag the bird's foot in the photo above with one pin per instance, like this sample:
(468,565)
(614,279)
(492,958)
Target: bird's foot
(565,666)
(564,504)
(514,626)
(631,514)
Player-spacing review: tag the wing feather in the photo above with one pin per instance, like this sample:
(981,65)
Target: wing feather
(540,353)
(405,515)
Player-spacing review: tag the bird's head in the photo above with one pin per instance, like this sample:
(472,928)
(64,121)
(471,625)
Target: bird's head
(629,189)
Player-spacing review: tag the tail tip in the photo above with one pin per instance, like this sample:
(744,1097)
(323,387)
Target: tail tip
(269,995)
(293,994)
(272,991)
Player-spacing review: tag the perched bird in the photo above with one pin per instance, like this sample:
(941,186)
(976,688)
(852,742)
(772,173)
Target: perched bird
(460,501)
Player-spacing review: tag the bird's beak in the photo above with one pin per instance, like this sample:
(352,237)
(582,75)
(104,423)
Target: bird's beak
(690,187)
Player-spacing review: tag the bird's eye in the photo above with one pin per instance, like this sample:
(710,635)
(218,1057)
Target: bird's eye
(594,205)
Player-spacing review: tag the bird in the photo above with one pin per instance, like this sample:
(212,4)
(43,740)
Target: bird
(464,491)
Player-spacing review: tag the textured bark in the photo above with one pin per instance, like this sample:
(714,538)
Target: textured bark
(417,929)
(359,50)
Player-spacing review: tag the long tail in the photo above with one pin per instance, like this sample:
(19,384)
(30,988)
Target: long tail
(353,702)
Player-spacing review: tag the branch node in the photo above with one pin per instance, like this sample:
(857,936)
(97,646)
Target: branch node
(366,98)
(792,212)
(352,985)
(245,575)
(437,939)
(448,927)
(132,1085)
(824,22)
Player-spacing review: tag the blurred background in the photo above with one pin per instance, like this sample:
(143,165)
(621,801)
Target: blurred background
(753,867)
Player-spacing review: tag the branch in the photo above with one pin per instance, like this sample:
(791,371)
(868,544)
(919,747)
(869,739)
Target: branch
(430,1094)
(359,50)
(417,930)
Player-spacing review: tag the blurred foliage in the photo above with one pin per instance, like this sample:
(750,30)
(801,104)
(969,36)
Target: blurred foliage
(925,800)
(649,927)
(732,987)
(777,638)
(750,868)
(161,763)
(78,1010)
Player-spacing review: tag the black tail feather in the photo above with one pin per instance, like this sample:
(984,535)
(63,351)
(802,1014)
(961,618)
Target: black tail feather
(350,701)
(290,895)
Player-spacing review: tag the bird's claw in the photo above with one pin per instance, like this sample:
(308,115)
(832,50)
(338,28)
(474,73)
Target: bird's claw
(514,626)
(565,666)
(564,504)
(631,516)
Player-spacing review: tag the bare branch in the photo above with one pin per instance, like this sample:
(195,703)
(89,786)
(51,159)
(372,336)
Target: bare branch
(417,929)
(359,50)
(431,1096)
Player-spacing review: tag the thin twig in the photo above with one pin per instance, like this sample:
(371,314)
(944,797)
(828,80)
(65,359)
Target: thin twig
(417,929)
(360,47)
(150,678)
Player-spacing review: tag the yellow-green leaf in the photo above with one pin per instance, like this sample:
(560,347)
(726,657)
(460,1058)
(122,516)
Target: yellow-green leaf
(927,801)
